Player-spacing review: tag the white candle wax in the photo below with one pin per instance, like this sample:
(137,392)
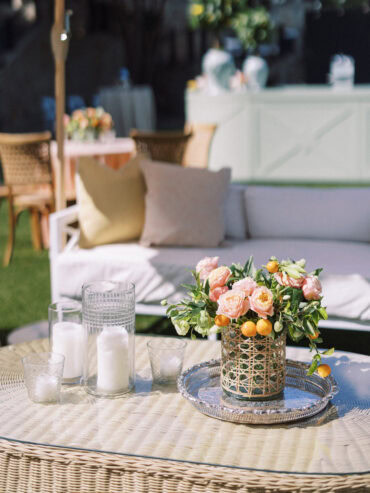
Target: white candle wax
(170,368)
(46,388)
(68,339)
(113,359)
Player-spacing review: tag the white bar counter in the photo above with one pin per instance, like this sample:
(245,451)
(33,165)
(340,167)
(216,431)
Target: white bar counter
(309,134)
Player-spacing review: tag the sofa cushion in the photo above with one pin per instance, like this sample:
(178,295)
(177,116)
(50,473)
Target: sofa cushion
(301,212)
(159,272)
(111,202)
(184,206)
(235,220)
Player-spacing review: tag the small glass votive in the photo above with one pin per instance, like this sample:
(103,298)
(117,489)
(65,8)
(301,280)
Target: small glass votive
(43,376)
(166,359)
(66,336)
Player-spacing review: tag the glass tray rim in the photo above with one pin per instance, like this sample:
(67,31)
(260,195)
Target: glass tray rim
(258,415)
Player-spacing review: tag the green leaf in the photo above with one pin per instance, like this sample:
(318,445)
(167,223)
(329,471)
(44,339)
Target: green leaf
(313,367)
(323,313)
(315,317)
(206,287)
(288,317)
(329,352)
(309,327)
(297,297)
(248,267)
(193,337)
(190,287)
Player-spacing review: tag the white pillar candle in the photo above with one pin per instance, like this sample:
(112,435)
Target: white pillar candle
(113,360)
(46,388)
(170,367)
(68,339)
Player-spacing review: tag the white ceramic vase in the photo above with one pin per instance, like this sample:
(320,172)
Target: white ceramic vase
(256,72)
(218,67)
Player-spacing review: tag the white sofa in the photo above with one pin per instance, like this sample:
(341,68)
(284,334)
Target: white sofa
(330,227)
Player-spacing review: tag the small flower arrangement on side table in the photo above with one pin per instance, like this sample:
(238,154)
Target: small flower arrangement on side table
(88,124)
(254,310)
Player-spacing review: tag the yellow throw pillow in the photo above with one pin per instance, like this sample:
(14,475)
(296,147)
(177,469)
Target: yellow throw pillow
(111,202)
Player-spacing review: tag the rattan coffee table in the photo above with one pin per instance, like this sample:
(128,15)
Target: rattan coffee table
(155,441)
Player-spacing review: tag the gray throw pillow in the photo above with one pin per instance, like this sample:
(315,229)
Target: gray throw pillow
(184,206)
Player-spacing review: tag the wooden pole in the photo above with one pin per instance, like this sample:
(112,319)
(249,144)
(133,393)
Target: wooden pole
(59,42)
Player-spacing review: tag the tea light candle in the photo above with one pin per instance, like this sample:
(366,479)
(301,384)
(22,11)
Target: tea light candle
(68,339)
(46,388)
(113,359)
(170,368)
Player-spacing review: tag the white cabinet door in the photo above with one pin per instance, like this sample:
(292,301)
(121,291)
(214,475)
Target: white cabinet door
(302,134)
(312,141)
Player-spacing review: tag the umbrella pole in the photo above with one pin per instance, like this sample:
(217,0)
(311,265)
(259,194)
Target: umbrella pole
(59,42)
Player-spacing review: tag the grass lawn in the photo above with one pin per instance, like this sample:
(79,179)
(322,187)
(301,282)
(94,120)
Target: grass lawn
(24,284)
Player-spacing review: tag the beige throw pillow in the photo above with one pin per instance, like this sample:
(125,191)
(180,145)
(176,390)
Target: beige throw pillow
(184,206)
(111,202)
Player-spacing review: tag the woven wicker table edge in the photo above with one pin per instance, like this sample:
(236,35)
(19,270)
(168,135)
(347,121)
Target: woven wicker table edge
(35,468)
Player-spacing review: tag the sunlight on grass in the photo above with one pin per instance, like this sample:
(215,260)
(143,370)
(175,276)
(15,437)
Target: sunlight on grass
(24,285)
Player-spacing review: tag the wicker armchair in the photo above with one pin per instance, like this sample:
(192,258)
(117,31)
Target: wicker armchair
(197,149)
(162,146)
(29,181)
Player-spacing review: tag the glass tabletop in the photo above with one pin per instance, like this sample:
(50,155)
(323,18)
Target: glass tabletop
(157,422)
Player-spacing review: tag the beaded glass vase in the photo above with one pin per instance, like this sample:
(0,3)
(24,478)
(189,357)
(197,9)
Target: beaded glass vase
(252,368)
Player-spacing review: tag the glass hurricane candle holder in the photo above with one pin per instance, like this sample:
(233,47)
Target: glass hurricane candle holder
(108,310)
(66,336)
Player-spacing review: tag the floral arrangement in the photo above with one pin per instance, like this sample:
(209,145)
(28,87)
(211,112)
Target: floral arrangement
(279,297)
(87,123)
(213,14)
(252,24)
(252,27)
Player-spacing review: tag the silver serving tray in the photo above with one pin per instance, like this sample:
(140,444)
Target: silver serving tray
(303,396)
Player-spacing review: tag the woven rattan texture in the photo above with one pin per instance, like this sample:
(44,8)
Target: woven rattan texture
(26,163)
(158,423)
(168,147)
(252,367)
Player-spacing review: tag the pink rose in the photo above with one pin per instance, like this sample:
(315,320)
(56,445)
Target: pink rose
(214,294)
(261,302)
(206,266)
(233,304)
(219,277)
(284,280)
(247,285)
(311,288)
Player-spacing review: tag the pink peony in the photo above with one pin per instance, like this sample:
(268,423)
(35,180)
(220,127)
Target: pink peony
(206,266)
(284,280)
(312,288)
(214,294)
(261,302)
(233,304)
(219,277)
(247,285)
